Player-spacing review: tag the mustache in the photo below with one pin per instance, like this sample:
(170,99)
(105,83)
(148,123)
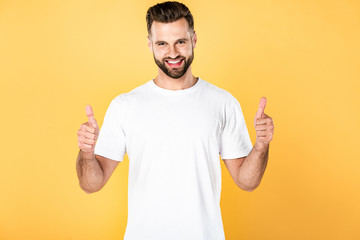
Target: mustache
(172,59)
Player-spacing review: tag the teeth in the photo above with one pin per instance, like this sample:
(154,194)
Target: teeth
(173,62)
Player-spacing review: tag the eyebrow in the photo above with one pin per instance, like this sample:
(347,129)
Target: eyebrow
(181,39)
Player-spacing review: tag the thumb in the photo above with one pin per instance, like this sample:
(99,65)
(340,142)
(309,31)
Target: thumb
(260,111)
(90,115)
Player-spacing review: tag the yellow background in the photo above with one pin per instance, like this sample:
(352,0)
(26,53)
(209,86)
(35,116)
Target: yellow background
(58,56)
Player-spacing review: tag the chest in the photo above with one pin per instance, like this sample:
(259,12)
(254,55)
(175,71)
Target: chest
(173,120)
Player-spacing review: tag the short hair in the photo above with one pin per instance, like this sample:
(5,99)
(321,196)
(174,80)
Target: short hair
(168,12)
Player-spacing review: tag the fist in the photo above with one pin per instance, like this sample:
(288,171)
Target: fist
(264,127)
(88,132)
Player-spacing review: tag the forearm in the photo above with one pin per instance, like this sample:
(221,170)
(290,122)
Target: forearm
(252,169)
(89,172)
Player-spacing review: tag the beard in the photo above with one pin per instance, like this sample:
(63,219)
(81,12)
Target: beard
(175,72)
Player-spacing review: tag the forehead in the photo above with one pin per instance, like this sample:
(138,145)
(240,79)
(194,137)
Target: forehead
(162,31)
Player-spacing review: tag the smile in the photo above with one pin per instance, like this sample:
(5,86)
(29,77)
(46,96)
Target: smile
(175,63)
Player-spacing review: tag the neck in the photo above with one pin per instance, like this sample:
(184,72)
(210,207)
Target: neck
(186,81)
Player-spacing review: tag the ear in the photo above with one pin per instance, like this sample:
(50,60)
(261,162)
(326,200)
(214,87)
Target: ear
(194,39)
(149,44)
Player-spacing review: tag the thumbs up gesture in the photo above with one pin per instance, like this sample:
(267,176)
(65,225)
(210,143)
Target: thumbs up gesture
(88,132)
(264,127)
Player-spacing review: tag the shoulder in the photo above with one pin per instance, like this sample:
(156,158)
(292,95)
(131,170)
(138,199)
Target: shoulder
(222,98)
(128,97)
(120,105)
(218,93)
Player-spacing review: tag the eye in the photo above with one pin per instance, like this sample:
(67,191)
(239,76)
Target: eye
(161,44)
(181,42)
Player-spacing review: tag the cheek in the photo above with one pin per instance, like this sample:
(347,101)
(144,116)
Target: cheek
(189,51)
(156,54)
(159,53)
(185,51)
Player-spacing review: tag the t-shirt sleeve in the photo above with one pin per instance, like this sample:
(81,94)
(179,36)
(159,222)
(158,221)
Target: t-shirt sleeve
(111,140)
(235,140)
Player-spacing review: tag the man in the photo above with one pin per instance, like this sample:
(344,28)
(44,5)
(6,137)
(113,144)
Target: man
(173,129)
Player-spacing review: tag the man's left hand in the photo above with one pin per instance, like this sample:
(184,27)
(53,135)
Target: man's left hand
(264,127)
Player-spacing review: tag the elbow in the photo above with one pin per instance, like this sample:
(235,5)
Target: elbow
(248,183)
(248,187)
(89,190)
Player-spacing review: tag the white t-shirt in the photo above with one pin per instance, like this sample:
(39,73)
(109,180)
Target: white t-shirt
(173,139)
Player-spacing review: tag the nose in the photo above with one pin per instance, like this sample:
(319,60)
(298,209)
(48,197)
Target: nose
(173,52)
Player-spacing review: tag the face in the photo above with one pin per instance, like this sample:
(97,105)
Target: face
(173,47)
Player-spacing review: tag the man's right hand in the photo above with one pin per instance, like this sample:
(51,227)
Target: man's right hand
(88,132)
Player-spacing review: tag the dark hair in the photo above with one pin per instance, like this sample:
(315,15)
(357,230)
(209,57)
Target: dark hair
(168,12)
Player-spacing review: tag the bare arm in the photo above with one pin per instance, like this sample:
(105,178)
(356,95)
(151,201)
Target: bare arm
(248,171)
(93,170)
(252,169)
(89,172)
